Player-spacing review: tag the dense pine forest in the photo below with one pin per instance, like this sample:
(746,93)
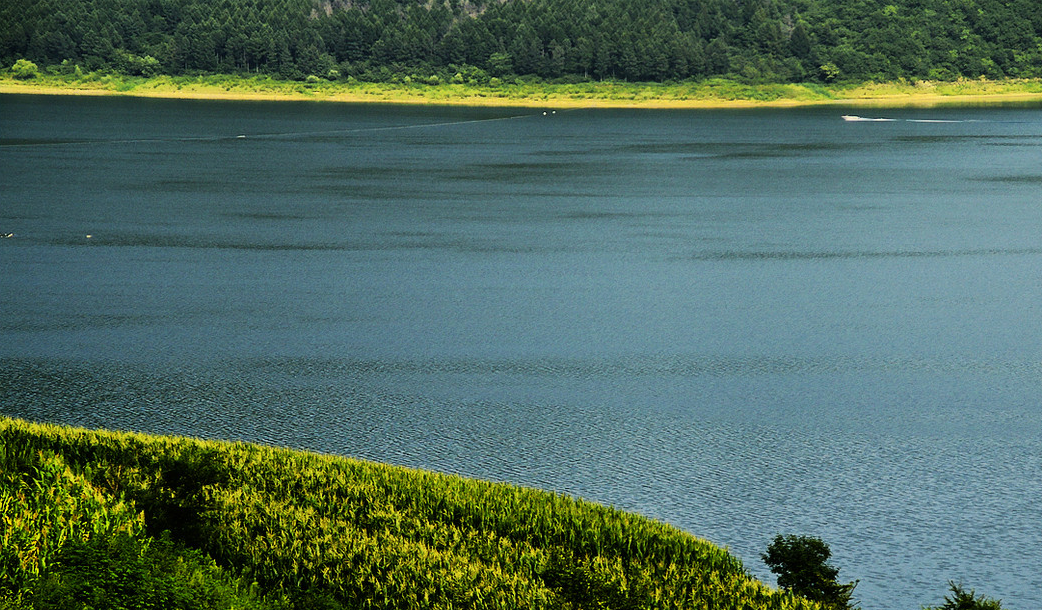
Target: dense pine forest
(566,40)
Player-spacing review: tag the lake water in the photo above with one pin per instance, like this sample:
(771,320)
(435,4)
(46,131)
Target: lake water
(743,323)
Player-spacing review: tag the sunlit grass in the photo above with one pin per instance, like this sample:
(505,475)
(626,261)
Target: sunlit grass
(712,92)
(305,528)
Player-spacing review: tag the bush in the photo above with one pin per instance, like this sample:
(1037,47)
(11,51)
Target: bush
(127,572)
(180,502)
(136,65)
(23,69)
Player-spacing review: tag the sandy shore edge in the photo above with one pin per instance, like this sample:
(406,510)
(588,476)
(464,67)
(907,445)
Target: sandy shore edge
(925,98)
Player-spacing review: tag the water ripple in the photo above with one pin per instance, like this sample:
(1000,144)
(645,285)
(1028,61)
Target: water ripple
(869,490)
(737,255)
(624,367)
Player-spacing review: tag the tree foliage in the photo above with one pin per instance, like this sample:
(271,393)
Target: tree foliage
(961,599)
(801,563)
(655,40)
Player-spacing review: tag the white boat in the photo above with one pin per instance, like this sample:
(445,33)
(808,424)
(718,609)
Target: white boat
(854,117)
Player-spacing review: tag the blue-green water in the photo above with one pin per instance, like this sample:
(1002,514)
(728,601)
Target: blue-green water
(740,322)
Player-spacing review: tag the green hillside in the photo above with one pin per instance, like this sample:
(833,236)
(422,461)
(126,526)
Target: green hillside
(474,41)
(110,519)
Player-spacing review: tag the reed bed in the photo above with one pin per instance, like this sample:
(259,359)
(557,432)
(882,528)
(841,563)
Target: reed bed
(293,529)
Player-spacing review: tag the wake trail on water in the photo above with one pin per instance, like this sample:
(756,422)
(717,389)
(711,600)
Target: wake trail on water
(29,142)
(861,119)
(296,134)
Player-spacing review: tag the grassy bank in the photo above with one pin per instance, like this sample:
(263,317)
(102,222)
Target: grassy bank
(711,93)
(130,520)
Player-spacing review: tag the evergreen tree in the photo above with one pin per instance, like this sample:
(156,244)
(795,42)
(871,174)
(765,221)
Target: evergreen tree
(658,39)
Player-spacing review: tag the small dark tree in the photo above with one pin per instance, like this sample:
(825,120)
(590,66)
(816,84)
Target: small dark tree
(801,563)
(961,599)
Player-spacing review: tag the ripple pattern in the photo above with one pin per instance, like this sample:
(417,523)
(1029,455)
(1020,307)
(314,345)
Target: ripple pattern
(871,489)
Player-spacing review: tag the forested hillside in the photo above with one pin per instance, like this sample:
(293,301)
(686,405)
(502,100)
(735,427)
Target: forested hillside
(475,40)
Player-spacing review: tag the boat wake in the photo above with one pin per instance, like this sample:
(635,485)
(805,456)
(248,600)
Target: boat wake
(855,118)
(27,142)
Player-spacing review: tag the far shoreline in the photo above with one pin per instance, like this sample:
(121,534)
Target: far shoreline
(713,94)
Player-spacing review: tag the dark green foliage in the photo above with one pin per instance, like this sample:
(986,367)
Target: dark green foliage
(654,40)
(801,563)
(588,583)
(961,599)
(126,572)
(178,502)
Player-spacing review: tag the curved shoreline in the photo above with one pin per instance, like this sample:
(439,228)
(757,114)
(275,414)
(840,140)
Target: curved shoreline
(708,95)
(341,528)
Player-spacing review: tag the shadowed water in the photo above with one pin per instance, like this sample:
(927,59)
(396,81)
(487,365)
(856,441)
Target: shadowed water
(740,322)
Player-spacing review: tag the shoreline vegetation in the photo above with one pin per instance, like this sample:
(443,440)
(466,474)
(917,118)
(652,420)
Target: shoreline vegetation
(121,519)
(702,94)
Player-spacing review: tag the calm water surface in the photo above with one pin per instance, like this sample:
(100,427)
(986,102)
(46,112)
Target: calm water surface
(743,323)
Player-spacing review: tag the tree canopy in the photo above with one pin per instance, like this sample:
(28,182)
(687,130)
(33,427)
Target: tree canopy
(474,40)
(801,563)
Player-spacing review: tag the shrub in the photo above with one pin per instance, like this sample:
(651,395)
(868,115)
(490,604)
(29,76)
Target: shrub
(23,69)
(126,572)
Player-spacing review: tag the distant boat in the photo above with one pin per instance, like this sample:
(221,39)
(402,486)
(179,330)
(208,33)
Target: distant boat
(854,117)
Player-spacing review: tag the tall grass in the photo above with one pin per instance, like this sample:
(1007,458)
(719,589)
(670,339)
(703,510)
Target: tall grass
(529,92)
(310,531)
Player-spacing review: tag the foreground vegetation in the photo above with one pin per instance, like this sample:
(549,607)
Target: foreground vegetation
(520,92)
(108,519)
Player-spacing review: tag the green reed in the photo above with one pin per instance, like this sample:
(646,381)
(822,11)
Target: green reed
(324,531)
